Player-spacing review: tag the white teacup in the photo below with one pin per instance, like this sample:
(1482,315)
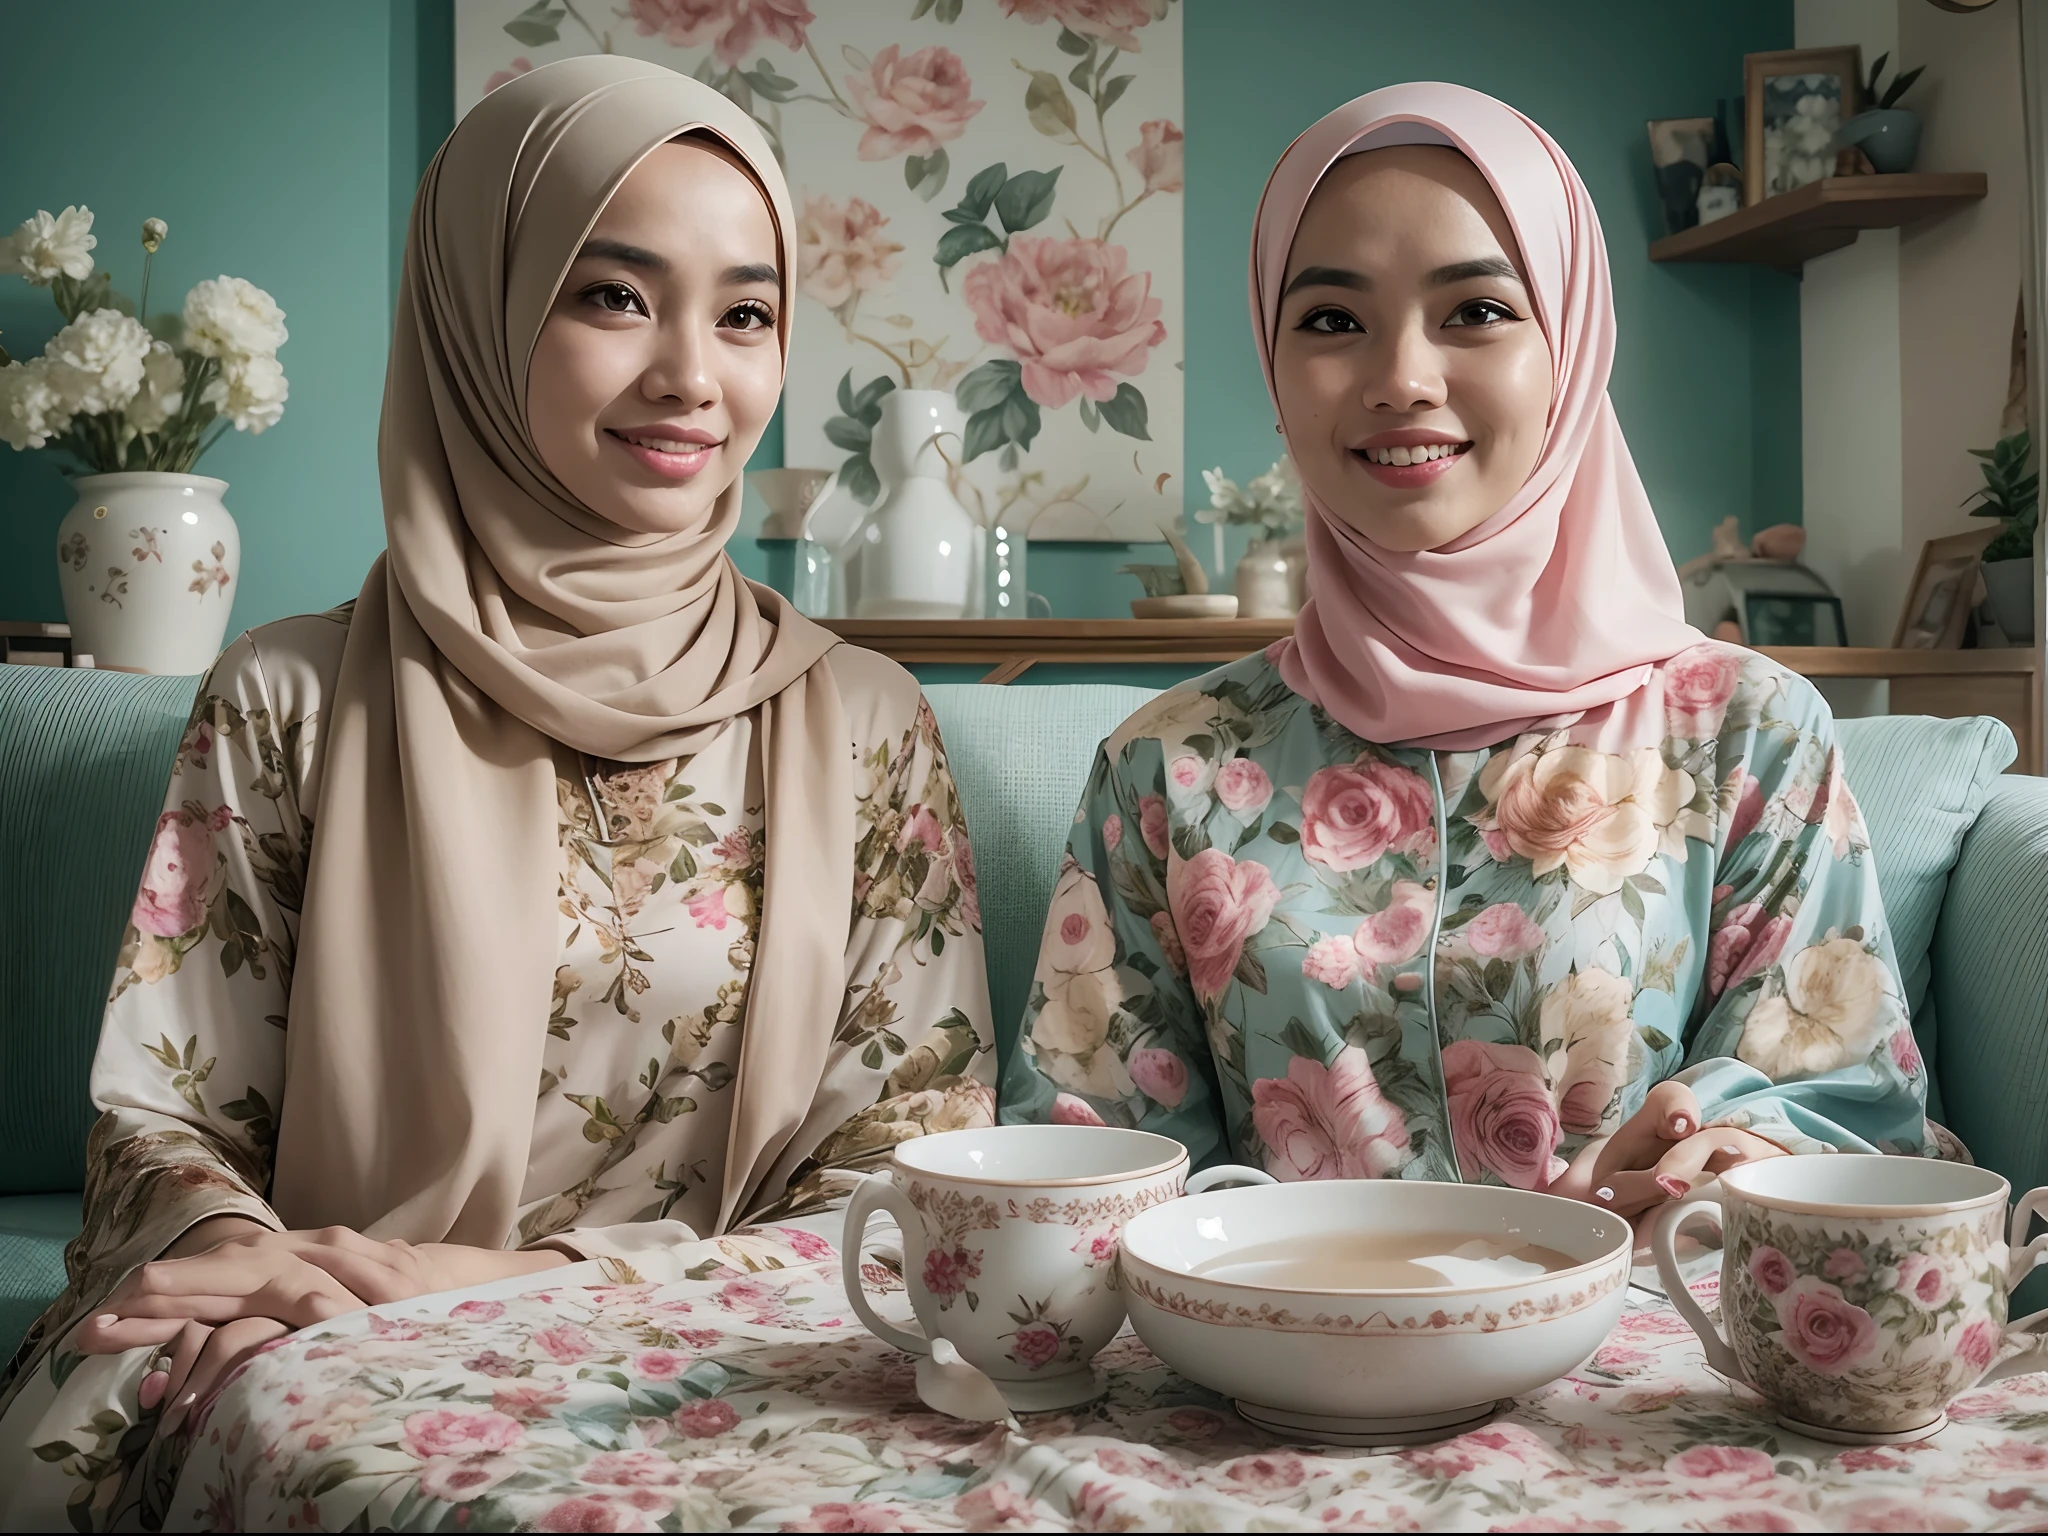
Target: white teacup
(1010,1245)
(1862,1294)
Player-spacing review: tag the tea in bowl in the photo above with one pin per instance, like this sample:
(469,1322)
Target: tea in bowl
(1862,1294)
(1010,1243)
(1374,1311)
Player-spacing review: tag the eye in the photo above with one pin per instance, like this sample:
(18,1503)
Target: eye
(615,299)
(749,315)
(1328,320)
(1481,312)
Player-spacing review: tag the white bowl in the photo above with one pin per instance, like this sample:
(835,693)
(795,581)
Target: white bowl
(1372,1366)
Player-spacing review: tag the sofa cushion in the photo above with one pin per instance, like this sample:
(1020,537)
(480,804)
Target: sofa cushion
(84,758)
(1991,982)
(33,1232)
(1921,783)
(1021,757)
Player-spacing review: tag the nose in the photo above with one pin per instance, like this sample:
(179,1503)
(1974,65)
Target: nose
(681,369)
(1408,372)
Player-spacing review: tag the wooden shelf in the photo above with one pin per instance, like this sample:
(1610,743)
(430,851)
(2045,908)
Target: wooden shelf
(2003,683)
(1789,230)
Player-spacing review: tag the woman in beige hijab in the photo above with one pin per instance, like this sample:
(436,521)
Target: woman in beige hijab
(569,897)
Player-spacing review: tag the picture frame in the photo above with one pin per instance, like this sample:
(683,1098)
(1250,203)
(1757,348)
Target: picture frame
(1681,150)
(1795,100)
(1944,589)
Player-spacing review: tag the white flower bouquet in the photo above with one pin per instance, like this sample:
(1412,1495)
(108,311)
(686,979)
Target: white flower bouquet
(1271,503)
(117,393)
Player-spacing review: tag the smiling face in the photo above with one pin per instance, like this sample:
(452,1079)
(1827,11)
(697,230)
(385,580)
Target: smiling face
(658,367)
(1413,379)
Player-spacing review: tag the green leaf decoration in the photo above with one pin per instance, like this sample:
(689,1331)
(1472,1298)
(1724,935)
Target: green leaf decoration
(858,475)
(1091,418)
(867,403)
(1125,412)
(1073,42)
(926,174)
(918,11)
(1632,900)
(1113,92)
(1047,105)
(1021,420)
(981,192)
(1007,459)
(1026,199)
(538,25)
(1078,75)
(989,385)
(846,393)
(984,432)
(845,432)
(948,11)
(962,241)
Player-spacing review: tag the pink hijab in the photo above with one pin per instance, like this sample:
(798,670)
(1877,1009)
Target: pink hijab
(1562,603)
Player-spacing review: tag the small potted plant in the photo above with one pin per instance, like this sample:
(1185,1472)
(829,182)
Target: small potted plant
(2011,492)
(1267,578)
(148,554)
(1888,133)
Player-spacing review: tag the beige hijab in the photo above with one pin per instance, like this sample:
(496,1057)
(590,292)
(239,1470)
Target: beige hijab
(506,618)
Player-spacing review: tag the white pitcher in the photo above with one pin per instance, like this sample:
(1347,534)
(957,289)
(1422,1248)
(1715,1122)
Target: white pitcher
(920,552)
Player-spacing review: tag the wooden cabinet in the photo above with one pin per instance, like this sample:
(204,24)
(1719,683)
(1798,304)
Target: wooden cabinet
(2005,684)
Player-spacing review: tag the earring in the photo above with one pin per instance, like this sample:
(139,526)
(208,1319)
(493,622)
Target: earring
(1278,428)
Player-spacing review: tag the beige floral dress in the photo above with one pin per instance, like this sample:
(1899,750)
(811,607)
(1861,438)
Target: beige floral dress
(660,900)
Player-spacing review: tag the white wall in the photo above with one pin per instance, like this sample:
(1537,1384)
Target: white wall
(1850,396)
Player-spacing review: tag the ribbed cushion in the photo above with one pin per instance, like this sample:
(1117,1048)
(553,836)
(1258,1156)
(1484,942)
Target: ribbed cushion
(1991,984)
(33,1232)
(1021,757)
(84,758)
(1921,783)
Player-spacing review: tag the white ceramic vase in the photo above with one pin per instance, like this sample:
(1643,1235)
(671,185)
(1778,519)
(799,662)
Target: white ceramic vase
(1265,583)
(921,550)
(147,563)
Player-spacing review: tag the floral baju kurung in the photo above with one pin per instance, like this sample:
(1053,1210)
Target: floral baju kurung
(660,892)
(1337,959)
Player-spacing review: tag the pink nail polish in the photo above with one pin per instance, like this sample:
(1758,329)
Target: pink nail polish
(1677,1189)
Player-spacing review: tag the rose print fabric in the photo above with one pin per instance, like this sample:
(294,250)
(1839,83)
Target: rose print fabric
(660,900)
(1284,945)
(744,1395)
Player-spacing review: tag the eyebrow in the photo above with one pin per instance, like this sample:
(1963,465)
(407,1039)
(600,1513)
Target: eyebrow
(752,272)
(618,250)
(1456,272)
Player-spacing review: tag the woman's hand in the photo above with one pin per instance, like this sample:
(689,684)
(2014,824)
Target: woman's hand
(229,1286)
(1657,1156)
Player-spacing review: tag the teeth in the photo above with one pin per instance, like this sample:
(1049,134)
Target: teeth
(1422,454)
(665,444)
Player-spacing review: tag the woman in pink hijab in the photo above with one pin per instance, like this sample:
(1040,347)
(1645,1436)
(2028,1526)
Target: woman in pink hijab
(1496,870)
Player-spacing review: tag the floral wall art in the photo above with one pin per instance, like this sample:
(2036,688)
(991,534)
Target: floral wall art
(988,196)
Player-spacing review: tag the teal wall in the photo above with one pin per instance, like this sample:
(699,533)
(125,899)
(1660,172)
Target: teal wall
(283,141)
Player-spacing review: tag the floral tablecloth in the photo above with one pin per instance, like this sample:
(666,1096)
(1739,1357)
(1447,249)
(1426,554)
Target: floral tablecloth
(749,1397)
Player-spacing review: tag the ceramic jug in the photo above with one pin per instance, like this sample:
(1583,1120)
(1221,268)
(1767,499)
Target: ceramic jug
(920,551)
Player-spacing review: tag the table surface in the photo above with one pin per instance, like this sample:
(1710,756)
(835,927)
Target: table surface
(748,1397)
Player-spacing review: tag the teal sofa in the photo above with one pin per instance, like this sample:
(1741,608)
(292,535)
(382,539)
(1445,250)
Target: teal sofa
(1962,853)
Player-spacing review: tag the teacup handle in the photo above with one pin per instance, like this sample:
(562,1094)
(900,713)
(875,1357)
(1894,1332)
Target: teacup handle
(879,1192)
(1238,1173)
(1663,1238)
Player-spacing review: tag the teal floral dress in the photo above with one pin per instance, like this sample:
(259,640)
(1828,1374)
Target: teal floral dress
(1284,945)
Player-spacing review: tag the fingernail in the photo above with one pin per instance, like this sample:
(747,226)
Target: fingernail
(1676,1188)
(1603,1193)
(152,1389)
(1732,1151)
(1680,1125)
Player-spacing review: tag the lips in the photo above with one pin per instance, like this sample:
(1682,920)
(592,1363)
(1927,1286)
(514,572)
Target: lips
(671,457)
(1410,466)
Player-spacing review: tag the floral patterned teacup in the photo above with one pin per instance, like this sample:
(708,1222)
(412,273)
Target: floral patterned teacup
(1862,1294)
(1010,1245)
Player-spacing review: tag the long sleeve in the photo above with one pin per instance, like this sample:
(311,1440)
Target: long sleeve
(190,1066)
(1800,1032)
(1112,1032)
